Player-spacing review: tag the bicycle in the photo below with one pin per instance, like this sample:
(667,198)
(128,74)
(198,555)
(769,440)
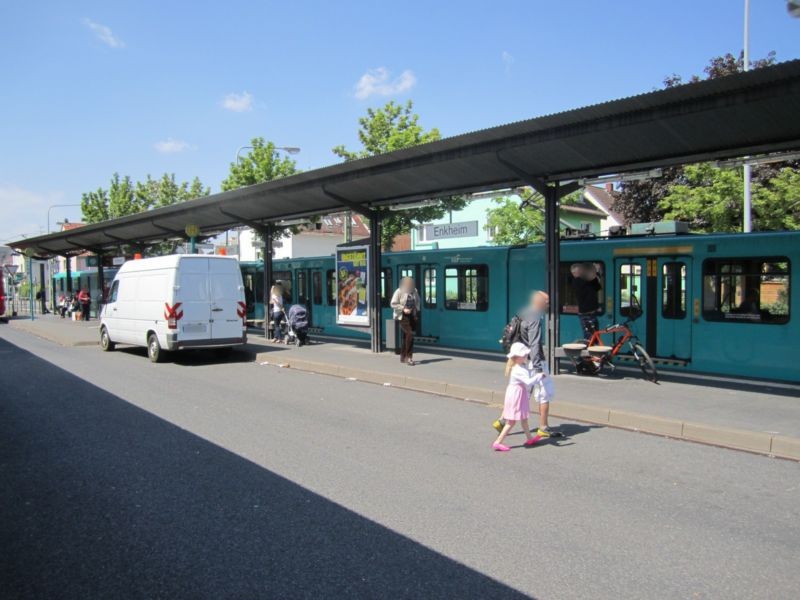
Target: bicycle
(601,356)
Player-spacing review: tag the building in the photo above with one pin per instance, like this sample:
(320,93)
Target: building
(315,239)
(468,227)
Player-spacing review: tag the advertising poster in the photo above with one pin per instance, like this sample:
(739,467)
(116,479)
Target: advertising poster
(352,304)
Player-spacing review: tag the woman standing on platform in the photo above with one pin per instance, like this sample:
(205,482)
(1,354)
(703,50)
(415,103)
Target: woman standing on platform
(276,301)
(405,304)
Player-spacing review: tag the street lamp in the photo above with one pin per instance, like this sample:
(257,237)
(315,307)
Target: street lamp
(288,149)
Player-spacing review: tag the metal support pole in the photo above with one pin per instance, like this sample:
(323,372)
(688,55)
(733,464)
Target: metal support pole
(553,248)
(192,245)
(42,290)
(101,282)
(68,274)
(30,286)
(747,210)
(267,232)
(374,287)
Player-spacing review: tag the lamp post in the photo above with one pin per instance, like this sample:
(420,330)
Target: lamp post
(748,201)
(793,6)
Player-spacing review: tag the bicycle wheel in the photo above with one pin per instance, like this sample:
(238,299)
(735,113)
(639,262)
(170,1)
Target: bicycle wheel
(646,363)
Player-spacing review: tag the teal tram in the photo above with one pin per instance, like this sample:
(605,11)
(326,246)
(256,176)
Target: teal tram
(710,303)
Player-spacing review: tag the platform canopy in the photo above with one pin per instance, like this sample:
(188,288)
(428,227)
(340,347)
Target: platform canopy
(739,115)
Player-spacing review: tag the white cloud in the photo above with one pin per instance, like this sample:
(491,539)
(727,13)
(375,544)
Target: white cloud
(238,102)
(170,146)
(104,34)
(508,59)
(25,211)
(377,82)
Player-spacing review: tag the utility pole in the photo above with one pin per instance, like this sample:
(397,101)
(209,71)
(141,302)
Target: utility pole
(748,201)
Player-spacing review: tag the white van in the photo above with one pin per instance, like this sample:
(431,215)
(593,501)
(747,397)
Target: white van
(175,302)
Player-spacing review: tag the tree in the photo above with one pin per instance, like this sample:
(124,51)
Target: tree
(642,201)
(124,197)
(710,199)
(521,223)
(393,127)
(262,163)
(157,193)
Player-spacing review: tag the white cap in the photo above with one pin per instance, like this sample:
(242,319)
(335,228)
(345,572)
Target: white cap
(518,349)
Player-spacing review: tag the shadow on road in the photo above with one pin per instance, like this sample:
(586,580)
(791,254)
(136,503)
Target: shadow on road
(195,358)
(104,500)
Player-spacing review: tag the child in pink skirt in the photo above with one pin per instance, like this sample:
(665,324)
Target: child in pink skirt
(518,394)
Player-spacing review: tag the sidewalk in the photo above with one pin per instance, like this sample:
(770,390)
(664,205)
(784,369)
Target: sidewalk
(756,416)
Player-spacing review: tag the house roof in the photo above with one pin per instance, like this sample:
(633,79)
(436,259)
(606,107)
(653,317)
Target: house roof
(605,200)
(739,115)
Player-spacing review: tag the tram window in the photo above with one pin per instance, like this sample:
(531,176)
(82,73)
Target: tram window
(330,287)
(466,287)
(630,286)
(386,286)
(568,291)
(429,297)
(746,290)
(673,290)
(285,279)
(302,287)
(316,284)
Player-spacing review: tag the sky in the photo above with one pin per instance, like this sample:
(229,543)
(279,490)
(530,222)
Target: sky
(93,88)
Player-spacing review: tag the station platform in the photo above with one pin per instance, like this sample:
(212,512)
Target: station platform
(756,416)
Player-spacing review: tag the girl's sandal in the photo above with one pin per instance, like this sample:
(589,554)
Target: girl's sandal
(533,441)
(500,447)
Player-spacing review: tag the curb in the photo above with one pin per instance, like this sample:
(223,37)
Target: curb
(56,339)
(755,442)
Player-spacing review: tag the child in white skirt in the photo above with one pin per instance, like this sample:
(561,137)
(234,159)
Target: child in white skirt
(516,406)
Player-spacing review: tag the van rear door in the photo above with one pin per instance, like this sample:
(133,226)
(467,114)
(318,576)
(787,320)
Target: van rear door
(227,300)
(192,303)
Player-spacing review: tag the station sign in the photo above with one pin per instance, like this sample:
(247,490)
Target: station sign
(118,260)
(444,231)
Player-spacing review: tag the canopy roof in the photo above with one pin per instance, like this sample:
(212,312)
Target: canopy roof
(744,114)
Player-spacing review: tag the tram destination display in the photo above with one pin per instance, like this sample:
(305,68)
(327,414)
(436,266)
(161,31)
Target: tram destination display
(352,299)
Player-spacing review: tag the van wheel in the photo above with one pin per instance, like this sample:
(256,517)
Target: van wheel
(153,348)
(106,345)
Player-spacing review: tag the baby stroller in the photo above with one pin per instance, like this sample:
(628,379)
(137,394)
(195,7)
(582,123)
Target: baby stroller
(297,321)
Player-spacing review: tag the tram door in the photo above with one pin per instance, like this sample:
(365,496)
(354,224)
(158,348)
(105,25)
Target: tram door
(412,271)
(636,280)
(317,296)
(303,287)
(674,308)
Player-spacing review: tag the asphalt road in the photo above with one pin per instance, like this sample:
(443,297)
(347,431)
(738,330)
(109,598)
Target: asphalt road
(216,478)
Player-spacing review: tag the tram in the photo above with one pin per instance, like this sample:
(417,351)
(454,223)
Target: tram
(710,303)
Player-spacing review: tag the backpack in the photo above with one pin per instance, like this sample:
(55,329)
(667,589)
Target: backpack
(513,332)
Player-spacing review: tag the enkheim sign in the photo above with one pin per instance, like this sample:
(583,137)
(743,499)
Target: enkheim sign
(445,231)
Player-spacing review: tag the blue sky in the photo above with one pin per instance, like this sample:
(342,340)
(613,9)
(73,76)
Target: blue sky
(90,88)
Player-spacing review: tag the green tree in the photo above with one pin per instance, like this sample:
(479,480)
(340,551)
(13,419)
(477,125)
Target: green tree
(776,201)
(94,206)
(521,223)
(393,127)
(157,193)
(262,163)
(710,199)
(124,197)
(641,201)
